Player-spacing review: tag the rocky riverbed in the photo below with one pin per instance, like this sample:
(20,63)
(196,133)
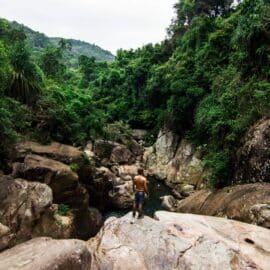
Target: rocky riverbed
(59,191)
(171,241)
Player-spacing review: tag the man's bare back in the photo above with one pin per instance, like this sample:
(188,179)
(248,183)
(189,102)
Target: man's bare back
(140,183)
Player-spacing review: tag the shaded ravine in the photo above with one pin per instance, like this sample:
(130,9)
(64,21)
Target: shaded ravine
(157,189)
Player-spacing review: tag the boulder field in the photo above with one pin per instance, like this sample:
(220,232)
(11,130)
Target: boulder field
(47,177)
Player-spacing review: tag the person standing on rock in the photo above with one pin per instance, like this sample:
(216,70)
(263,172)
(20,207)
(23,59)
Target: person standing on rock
(140,187)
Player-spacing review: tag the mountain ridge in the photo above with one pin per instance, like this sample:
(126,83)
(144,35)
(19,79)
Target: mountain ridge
(39,41)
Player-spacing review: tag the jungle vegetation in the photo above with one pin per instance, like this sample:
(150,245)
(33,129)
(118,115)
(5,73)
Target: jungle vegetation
(208,81)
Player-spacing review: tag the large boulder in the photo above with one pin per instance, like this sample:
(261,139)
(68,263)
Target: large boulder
(88,222)
(103,150)
(78,221)
(22,204)
(6,237)
(122,155)
(158,157)
(66,190)
(139,134)
(99,187)
(79,161)
(47,254)
(169,203)
(260,215)
(54,224)
(180,241)
(253,158)
(57,175)
(122,195)
(61,152)
(111,153)
(116,164)
(248,203)
(176,161)
(136,148)
(124,171)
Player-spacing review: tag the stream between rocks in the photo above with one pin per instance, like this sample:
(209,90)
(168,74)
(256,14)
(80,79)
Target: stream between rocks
(157,189)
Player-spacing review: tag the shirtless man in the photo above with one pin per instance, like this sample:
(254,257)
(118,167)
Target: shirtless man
(140,188)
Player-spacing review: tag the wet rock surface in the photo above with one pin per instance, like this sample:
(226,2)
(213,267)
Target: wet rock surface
(180,241)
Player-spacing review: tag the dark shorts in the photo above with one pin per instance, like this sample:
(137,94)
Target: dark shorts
(139,197)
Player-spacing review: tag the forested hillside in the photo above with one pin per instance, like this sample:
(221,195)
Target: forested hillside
(39,41)
(208,81)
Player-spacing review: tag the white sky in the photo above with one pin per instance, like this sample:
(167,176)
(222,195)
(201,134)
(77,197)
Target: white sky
(111,24)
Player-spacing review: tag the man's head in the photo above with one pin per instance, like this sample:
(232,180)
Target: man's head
(140,171)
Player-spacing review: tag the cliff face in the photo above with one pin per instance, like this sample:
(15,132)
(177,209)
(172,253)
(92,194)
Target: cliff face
(253,158)
(176,161)
(179,162)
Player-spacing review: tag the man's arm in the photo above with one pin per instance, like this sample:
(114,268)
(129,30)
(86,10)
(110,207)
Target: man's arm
(146,187)
(133,184)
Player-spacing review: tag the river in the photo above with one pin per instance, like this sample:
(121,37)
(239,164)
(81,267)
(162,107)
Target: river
(157,189)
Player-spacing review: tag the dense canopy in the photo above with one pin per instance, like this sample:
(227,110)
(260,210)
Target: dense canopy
(208,82)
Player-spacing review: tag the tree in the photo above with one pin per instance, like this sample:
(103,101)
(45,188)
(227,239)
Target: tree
(87,67)
(186,10)
(26,81)
(51,61)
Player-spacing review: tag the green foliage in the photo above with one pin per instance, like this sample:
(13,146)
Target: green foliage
(74,167)
(14,119)
(252,38)
(218,163)
(63,209)
(117,131)
(51,62)
(5,69)
(209,82)
(26,78)
(211,86)
(68,115)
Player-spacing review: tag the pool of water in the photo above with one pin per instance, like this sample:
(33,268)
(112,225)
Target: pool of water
(157,189)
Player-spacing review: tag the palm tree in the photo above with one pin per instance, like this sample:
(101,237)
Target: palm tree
(26,81)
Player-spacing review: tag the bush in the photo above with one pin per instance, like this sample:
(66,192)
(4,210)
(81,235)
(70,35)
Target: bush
(117,131)
(63,209)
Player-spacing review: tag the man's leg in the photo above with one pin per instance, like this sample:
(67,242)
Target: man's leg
(134,209)
(140,210)
(140,206)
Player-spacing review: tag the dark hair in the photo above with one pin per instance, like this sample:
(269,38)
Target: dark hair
(140,171)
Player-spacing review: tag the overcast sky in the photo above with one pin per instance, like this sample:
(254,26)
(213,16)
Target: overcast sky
(111,24)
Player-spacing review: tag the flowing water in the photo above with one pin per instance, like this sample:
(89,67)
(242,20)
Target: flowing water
(157,189)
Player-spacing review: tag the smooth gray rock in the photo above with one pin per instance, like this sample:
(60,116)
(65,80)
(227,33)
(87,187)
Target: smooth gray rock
(180,241)
(47,254)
